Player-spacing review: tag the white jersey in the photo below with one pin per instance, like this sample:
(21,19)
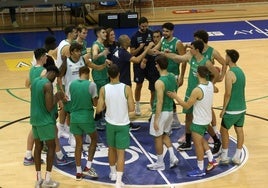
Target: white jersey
(59,58)
(116,104)
(202,114)
(72,73)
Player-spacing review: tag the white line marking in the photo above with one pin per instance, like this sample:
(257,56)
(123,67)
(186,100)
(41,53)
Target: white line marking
(149,158)
(257,29)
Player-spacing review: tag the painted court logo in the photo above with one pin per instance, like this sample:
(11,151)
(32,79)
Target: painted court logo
(140,153)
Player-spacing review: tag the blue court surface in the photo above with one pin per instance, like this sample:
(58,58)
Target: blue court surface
(142,152)
(218,31)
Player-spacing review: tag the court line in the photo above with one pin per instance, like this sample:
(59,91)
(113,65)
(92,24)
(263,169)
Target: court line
(149,158)
(257,28)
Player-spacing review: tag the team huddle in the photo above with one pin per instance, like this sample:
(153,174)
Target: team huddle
(91,91)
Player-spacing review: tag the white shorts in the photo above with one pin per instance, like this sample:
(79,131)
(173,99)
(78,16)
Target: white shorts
(165,121)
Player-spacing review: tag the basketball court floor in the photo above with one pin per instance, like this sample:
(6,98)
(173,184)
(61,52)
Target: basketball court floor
(249,37)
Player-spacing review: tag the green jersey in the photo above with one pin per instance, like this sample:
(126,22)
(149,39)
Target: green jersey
(208,53)
(237,100)
(100,74)
(82,108)
(192,78)
(171,47)
(39,115)
(170,85)
(35,72)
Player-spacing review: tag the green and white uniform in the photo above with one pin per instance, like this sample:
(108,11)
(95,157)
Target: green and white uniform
(202,115)
(82,113)
(116,116)
(192,78)
(236,108)
(171,47)
(100,77)
(42,121)
(166,116)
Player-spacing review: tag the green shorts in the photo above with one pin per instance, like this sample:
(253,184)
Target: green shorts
(229,120)
(43,133)
(80,128)
(117,136)
(200,129)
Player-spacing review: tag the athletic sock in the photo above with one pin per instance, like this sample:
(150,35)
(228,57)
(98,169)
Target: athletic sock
(89,163)
(48,176)
(28,154)
(38,175)
(200,165)
(171,152)
(79,169)
(209,155)
(113,169)
(224,153)
(237,154)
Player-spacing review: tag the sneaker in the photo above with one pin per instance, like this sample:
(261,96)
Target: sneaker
(137,111)
(196,173)
(112,176)
(90,172)
(134,127)
(156,166)
(28,162)
(181,140)
(224,161)
(38,183)
(119,185)
(173,162)
(211,165)
(79,176)
(64,161)
(184,147)
(50,184)
(217,147)
(236,161)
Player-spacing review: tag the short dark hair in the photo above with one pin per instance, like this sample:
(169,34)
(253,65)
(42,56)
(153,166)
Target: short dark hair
(157,31)
(233,54)
(97,30)
(162,61)
(39,52)
(203,71)
(168,25)
(53,68)
(198,45)
(69,29)
(50,43)
(113,70)
(84,70)
(202,34)
(143,20)
(76,46)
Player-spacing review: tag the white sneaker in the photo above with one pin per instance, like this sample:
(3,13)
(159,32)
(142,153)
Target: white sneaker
(156,166)
(38,183)
(71,141)
(173,162)
(50,184)
(236,161)
(119,185)
(112,176)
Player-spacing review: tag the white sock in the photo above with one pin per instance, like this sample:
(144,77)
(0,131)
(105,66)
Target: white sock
(28,154)
(215,129)
(200,165)
(113,169)
(209,155)
(38,175)
(119,177)
(171,152)
(48,176)
(78,169)
(138,104)
(89,163)
(237,154)
(59,154)
(224,153)
(160,159)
